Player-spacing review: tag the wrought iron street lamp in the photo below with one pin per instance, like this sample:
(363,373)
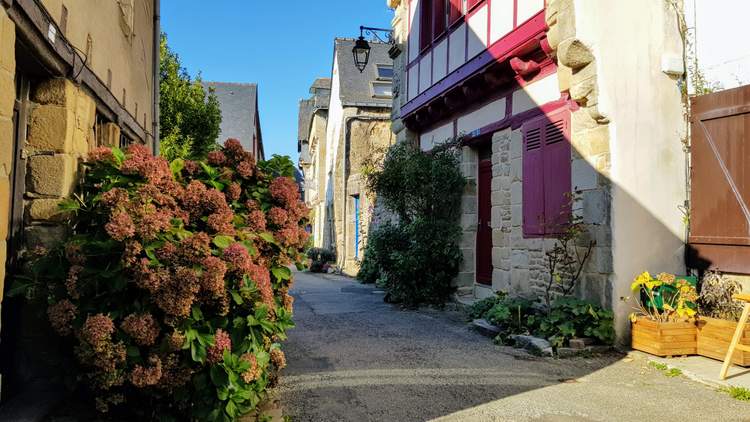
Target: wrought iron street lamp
(361,50)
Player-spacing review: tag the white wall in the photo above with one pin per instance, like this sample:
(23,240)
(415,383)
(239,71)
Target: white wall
(647,125)
(718,30)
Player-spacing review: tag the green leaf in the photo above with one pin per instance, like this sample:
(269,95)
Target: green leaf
(236,297)
(197,313)
(231,409)
(133,351)
(68,205)
(282,273)
(176,166)
(268,237)
(197,352)
(250,248)
(223,242)
(118,155)
(222,393)
(18,289)
(217,185)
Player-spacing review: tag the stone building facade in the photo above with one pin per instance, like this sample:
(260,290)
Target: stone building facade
(353,130)
(552,99)
(74,75)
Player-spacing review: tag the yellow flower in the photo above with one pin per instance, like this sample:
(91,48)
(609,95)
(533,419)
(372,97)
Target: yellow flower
(666,278)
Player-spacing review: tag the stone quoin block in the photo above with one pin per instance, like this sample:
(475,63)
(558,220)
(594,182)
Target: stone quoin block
(7,43)
(52,175)
(44,236)
(58,91)
(4,209)
(51,128)
(6,146)
(44,210)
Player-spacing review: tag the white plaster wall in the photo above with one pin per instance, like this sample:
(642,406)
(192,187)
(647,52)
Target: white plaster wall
(425,72)
(333,132)
(440,61)
(714,31)
(413,30)
(501,19)
(536,94)
(490,113)
(436,136)
(477,32)
(529,8)
(457,49)
(647,124)
(413,82)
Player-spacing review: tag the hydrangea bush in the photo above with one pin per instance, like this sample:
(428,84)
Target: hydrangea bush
(173,289)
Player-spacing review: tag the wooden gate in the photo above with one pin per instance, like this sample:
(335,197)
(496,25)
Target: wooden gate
(720,182)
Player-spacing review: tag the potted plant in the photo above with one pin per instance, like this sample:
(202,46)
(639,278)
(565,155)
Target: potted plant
(718,315)
(664,322)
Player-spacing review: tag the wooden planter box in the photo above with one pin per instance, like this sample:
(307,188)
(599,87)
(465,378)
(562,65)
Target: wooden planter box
(664,338)
(714,336)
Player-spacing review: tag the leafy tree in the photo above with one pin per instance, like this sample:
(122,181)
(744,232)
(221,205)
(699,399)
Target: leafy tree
(190,117)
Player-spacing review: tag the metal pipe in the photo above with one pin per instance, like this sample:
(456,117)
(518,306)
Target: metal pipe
(156,69)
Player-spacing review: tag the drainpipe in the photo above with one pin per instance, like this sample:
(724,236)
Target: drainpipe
(347,126)
(156,62)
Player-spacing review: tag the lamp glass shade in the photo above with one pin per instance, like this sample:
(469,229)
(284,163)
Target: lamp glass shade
(361,53)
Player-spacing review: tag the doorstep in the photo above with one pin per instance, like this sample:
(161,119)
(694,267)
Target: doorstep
(706,370)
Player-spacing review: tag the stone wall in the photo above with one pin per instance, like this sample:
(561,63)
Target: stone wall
(7,99)
(61,122)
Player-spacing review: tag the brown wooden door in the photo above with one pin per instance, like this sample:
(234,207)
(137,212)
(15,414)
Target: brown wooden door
(720,181)
(484,231)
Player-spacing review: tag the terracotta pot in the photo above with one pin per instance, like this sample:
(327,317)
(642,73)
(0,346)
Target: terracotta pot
(714,336)
(675,338)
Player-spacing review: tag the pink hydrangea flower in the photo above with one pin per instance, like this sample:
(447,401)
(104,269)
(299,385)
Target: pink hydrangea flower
(222,342)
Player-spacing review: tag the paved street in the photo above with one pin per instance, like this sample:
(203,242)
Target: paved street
(354,358)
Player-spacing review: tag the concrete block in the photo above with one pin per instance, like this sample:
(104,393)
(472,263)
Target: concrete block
(468,264)
(519,279)
(499,255)
(468,240)
(496,217)
(465,278)
(52,175)
(497,198)
(516,169)
(469,222)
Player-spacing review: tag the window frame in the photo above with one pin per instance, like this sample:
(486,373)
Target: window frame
(383,82)
(378,66)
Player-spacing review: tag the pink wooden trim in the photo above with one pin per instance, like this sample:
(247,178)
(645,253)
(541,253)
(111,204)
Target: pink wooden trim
(515,14)
(500,51)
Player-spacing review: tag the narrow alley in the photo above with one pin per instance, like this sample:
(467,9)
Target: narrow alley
(353,357)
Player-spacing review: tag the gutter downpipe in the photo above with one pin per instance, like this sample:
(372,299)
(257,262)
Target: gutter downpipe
(156,67)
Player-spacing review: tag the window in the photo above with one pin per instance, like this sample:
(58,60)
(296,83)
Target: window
(546,174)
(439,17)
(382,89)
(385,72)
(425,24)
(456,10)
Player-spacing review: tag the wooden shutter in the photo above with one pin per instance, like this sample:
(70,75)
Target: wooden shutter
(425,24)
(533,178)
(557,172)
(457,10)
(473,3)
(439,17)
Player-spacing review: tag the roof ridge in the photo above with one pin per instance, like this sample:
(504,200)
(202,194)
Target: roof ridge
(232,83)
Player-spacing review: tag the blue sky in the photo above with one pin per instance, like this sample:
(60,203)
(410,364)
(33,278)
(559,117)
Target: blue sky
(281,45)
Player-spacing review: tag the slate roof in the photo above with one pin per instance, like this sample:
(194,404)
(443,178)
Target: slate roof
(238,102)
(306,110)
(355,89)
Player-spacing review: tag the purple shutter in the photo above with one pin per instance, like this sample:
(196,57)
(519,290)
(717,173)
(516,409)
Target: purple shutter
(557,184)
(533,178)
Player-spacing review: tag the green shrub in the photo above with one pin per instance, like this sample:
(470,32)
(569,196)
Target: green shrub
(381,243)
(479,308)
(320,257)
(173,290)
(417,259)
(569,318)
